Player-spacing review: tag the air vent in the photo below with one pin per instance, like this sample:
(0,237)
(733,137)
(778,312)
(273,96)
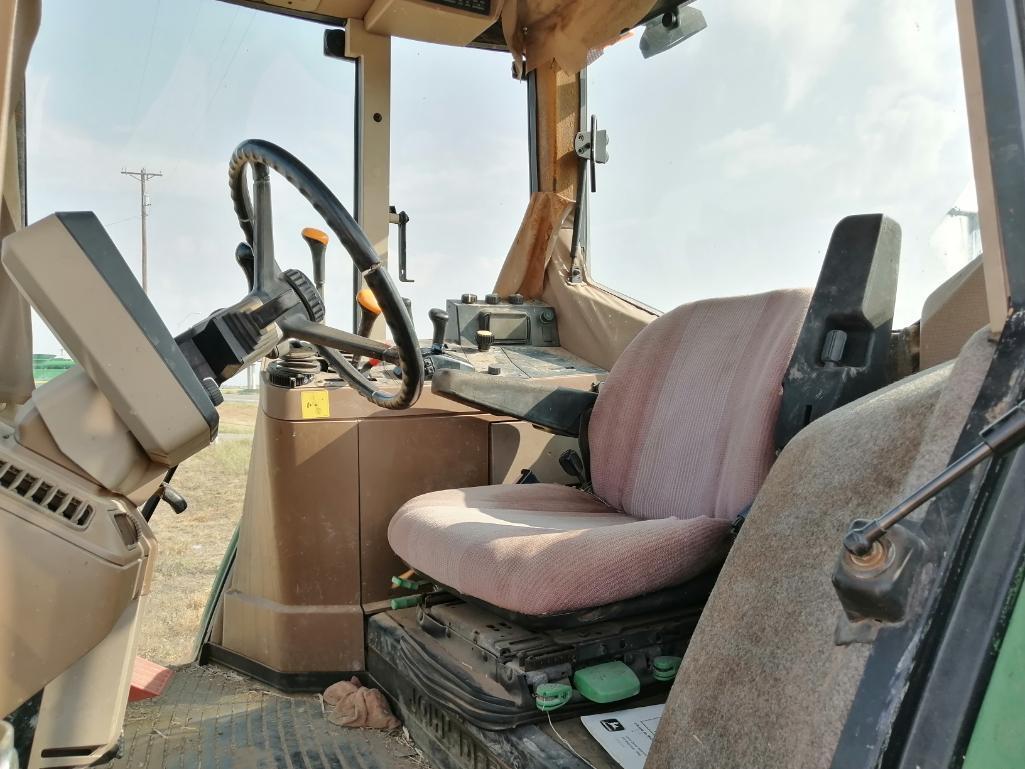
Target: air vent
(44,496)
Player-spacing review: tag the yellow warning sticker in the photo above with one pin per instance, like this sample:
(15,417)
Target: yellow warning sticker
(315,404)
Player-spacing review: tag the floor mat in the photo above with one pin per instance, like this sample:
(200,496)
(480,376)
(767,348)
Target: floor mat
(214,718)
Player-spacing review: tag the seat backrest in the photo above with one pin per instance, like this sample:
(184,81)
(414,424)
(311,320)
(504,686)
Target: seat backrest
(683,427)
(952,313)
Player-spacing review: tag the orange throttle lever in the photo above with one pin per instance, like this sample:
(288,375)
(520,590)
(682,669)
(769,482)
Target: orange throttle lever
(317,241)
(370,310)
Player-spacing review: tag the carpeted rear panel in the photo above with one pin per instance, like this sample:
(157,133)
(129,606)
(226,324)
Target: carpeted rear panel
(763,684)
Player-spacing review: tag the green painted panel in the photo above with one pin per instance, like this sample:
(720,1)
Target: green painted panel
(998,741)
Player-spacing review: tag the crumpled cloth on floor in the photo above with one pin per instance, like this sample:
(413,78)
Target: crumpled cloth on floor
(351,703)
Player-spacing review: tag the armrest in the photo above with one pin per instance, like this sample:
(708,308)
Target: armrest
(558,409)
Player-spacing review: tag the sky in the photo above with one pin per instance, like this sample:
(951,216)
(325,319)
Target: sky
(732,155)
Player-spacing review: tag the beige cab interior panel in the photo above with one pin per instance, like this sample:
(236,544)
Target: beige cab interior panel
(952,313)
(994,258)
(596,324)
(427,21)
(518,446)
(562,32)
(82,711)
(19,22)
(340,10)
(144,390)
(84,570)
(293,601)
(88,430)
(400,459)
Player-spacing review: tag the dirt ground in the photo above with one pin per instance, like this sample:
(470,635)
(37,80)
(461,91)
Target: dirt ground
(191,545)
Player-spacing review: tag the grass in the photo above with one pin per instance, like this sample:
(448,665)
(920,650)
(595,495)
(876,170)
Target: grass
(190,546)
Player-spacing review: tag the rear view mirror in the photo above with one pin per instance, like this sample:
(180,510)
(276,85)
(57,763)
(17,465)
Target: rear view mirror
(670,29)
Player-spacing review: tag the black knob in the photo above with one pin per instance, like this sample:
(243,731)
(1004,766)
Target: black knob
(484,340)
(213,391)
(439,320)
(494,370)
(548,316)
(515,299)
(492,299)
(469,299)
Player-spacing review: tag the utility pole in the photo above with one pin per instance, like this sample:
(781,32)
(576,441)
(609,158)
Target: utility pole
(143,176)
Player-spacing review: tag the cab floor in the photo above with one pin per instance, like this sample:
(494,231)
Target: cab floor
(215,718)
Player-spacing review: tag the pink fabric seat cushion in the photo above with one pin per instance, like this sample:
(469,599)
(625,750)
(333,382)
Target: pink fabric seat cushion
(546,549)
(684,424)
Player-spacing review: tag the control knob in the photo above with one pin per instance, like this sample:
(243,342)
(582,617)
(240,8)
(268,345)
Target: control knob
(484,339)
(492,299)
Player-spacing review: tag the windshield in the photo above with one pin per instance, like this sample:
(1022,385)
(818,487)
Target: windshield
(460,168)
(173,88)
(735,153)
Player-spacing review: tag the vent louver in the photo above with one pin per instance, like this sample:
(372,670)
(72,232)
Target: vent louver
(44,495)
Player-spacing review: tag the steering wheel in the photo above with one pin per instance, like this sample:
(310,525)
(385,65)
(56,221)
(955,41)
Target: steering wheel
(268,280)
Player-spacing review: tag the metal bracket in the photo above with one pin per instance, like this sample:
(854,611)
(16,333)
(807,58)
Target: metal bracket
(401,219)
(592,146)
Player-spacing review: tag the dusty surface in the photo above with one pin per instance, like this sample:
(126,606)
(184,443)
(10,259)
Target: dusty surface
(213,718)
(192,544)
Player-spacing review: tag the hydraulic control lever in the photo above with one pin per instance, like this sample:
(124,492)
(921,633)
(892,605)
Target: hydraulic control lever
(439,321)
(435,356)
(317,241)
(370,311)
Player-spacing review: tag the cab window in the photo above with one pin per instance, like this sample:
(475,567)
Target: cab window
(459,168)
(734,153)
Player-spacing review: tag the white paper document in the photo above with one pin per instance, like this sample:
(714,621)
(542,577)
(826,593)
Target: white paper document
(626,734)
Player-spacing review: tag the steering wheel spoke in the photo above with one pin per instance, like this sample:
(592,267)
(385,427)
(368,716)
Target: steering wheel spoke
(322,335)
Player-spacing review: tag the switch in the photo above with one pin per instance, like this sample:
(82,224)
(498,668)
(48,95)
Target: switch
(484,340)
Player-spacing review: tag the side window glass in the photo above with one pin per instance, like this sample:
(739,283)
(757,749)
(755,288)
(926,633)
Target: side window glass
(735,153)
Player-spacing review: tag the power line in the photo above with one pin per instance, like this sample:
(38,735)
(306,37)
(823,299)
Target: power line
(120,221)
(143,176)
(145,65)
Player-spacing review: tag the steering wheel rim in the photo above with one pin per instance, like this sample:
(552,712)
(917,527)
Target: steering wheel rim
(263,155)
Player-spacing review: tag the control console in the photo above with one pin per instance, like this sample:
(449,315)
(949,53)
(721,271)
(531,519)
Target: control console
(501,320)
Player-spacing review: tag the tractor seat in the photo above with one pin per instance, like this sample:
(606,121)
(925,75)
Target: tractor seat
(680,440)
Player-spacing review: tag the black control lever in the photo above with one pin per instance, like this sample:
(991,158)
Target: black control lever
(164,492)
(244,258)
(439,322)
(573,465)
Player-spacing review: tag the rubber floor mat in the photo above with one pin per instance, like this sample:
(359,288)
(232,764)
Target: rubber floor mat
(214,718)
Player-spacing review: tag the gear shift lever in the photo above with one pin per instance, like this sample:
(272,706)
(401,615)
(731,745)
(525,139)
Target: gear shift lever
(369,311)
(317,241)
(439,320)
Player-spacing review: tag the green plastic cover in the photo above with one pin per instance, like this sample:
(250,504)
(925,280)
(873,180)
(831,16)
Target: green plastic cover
(608,682)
